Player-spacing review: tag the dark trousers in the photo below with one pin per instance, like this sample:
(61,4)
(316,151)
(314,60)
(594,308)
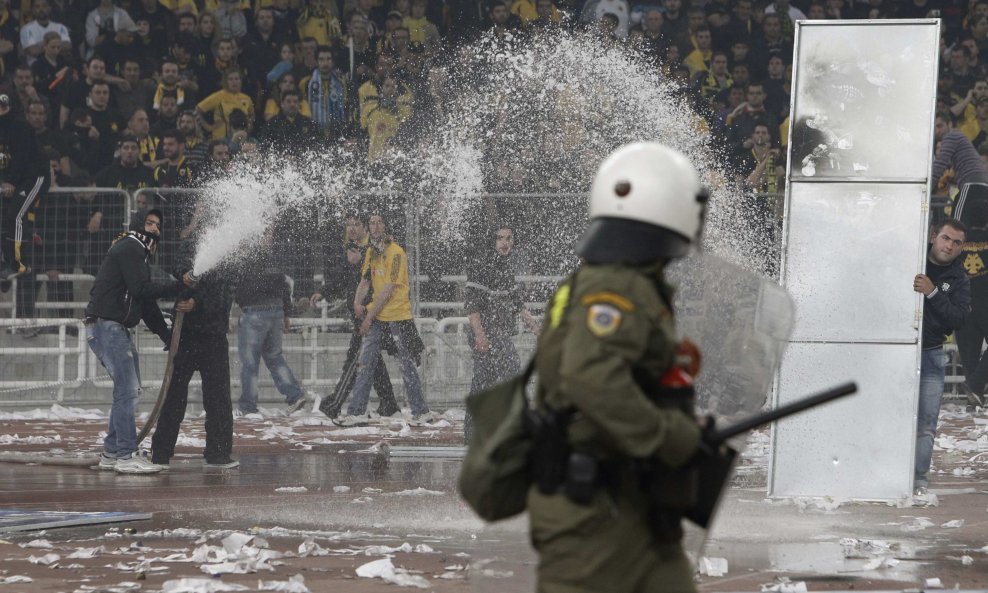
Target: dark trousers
(210,356)
(387,405)
(969,339)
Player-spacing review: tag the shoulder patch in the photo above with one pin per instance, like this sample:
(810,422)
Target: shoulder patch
(603,319)
(609,298)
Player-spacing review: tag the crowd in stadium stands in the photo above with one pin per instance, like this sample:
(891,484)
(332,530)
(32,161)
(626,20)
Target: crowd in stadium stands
(132,94)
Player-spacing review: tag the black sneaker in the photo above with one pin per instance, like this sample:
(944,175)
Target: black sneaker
(225,463)
(973,398)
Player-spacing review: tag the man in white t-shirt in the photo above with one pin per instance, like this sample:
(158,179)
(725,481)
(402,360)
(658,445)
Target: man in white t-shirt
(33,33)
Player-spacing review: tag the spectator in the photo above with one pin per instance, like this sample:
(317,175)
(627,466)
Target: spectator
(594,10)
(203,347)
(740,26)
(171,83)
(344,268)
(106,121)
(218,158)
(970,337)
(326,95)
(289,133)
(231,23)
(188,70)
(33,33)
(770,41)
(762,164)
(947,293)
(264,295)
(493,302)
(964,109)
(262,46)
(211,76)
(357,57)
(9,38)
(285,64)
(128,172)
(85,136)
(149,147)
(285,19)
(320,22)
(981,121)
(741,122)
(502,21)
(161,24)
(385,272)
(698,60)
(385,115)
(307,61)
(775,85)
(167,116)
(710,83)
(52,142)
(675,23)
(196,145)
(422,32)
(122,295)
(788,15)
(77,93)
(654,43)
(103,23)
(286,82)
(141,92)
(956,152)
(217,107)
(175,171)
(24,179)
(374,15)
(24,91)
(204,39)
(50,71)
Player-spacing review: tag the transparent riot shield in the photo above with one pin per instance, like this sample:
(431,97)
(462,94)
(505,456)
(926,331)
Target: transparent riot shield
(741,322)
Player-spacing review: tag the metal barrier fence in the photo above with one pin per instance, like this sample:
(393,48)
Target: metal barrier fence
(43,353)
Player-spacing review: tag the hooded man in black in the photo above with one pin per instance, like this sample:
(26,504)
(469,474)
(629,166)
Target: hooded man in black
(24,178)
(493,302)
(123,295)
(203,347)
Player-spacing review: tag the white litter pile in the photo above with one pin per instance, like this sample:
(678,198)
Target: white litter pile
(385,570)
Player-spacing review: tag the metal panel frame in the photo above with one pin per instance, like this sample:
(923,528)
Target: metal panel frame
(784,461)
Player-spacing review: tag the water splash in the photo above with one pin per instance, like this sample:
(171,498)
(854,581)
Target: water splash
(498,118)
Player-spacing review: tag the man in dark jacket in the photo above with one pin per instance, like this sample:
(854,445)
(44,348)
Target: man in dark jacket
(122,295)
(202,347)
(289,132)
(345,273)
(948,299)
(971,338)
(24,178)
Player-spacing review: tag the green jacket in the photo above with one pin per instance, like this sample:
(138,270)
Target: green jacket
(609,335)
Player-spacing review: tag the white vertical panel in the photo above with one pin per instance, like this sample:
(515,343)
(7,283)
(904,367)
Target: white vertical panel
(856,213)
(858,447)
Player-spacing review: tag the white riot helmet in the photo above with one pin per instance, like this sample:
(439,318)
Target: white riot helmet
(646,203)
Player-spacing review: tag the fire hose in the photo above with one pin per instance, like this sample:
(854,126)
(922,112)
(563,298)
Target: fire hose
(166,382)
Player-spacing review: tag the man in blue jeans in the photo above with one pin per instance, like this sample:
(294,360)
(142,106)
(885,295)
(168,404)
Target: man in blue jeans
(389,315)
(123,295)
(947,300)
(264,296)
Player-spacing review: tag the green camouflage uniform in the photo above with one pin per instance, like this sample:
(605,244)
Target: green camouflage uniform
(609,331)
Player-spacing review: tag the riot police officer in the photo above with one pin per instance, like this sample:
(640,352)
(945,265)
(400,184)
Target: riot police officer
(611,521)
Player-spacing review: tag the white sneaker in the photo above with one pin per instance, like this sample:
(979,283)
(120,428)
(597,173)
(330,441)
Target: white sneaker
(423,419)
(348,420)
(228,463)
(307,402)
(107,463)
(136,464)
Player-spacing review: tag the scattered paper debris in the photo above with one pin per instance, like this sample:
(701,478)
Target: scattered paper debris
(340,489)
(46,560)
(415,492)
(293,489)
(192,585)
(713,567)
(383,569)
(15,579)
(953,524)
(310,548)
(295,584)
(784,585)
(934,583)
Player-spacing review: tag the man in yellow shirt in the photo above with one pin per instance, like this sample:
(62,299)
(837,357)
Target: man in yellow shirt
(385,270)
(222,103)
